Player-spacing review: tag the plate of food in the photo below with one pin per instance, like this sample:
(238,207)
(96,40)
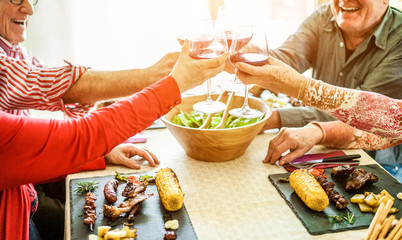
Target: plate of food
(338,199)
(136,206)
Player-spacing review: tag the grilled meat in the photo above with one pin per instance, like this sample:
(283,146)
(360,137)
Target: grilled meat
(343,171)
(359,178)
(114,212)
(134,211)
(90,209)
(132,189)
(110,190)
(333,195)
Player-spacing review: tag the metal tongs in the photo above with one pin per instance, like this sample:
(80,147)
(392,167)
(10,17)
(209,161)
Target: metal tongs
(345,159)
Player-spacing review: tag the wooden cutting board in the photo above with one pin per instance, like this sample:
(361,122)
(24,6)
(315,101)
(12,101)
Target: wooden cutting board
(318,222)
(149,221)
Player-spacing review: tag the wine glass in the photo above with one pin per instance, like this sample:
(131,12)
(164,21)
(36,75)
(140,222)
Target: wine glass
(229,18)
(249,45)
(205,43)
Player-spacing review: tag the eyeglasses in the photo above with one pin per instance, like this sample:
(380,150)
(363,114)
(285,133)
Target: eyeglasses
(19,2)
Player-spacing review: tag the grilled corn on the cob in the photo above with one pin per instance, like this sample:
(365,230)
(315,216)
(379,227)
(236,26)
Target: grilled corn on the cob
(169,189)
(309,190)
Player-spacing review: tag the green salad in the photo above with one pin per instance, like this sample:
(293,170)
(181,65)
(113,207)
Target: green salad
(196,119)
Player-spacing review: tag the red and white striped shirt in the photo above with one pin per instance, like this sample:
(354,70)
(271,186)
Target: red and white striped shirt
(26,84)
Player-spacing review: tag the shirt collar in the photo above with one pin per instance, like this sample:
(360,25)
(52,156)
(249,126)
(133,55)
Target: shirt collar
(7,46)
(380,34)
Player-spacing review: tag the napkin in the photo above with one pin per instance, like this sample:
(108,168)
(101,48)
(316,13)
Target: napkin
(138,138)
(309,157)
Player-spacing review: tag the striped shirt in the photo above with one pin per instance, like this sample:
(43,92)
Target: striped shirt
(26,84)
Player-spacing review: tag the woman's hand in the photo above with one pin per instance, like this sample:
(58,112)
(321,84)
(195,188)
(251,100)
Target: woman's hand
(122,154)
(189,72)
(297,140)
(275,76)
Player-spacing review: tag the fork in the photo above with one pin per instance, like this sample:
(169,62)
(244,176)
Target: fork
(310,165)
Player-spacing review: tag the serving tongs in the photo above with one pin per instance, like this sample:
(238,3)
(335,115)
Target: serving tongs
(345,159)
(225,112)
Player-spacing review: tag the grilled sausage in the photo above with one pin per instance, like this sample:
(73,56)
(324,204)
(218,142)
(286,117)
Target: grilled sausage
(110,190)
(309,190)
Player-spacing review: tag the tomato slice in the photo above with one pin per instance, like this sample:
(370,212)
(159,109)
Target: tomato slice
(133,179)
(317,172)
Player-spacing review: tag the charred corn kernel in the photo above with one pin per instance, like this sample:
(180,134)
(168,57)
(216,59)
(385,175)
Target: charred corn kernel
(169,189)
(309,190)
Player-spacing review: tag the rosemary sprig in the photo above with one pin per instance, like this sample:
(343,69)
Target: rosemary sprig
(350,218)
(336,219)
(85,187)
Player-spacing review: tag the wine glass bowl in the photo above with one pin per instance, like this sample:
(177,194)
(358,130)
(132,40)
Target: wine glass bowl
(206,44)
(248,45)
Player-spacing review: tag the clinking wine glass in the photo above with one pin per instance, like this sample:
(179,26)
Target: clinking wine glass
(254,51)
(206,44)
(229,18)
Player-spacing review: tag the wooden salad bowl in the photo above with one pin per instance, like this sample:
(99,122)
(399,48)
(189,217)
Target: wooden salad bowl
(219,144)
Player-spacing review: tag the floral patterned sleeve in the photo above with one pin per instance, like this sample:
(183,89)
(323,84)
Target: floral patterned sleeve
(367,111)
(337,134)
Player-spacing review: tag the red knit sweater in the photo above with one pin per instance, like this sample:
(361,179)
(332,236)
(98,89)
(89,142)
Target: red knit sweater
(38,150)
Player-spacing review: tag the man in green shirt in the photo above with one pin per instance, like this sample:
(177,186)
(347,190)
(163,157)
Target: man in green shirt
(353,44)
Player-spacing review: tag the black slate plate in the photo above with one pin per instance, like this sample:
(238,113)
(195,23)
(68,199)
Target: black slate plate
(318,222)
(149,221)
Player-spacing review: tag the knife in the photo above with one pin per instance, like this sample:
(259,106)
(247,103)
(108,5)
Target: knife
(331,159)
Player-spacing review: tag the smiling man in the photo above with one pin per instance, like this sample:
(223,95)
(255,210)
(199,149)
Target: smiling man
(349,43)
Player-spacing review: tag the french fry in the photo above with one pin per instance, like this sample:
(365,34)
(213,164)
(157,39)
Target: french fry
(374,221)
(395,230)
(386,226)
(383,215)
(398,235)
(376,231)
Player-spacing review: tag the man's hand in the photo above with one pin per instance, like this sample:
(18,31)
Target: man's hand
(297,140)
(274,121)
(121,155)
(189,72)
(275,76)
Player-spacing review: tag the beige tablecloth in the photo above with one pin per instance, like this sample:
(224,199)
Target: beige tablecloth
(228,200)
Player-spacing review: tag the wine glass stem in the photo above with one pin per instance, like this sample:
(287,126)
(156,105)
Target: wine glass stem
(236,79)
(209,98)
(245,104)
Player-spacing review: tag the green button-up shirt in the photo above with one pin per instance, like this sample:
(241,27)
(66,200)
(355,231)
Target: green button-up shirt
(375,65)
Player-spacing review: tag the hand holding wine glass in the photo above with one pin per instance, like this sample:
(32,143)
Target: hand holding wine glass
(205,43)
(249,45)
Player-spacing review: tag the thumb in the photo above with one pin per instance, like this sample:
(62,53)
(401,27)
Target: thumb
(185,50)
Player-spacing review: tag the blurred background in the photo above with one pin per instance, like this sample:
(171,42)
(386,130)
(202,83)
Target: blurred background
(121,34)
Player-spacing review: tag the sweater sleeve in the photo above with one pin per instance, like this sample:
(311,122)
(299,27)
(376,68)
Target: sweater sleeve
(38,150)
(340,135)
(367,111)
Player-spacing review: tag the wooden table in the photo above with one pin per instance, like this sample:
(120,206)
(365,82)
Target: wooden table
(228,200)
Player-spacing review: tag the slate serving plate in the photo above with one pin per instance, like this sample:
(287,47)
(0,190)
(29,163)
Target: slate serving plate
(149,221)
(318,222)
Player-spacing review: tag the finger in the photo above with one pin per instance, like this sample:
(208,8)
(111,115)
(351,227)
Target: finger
(279,150)
(185,50)
(128,162)
(291,156)
(276,141)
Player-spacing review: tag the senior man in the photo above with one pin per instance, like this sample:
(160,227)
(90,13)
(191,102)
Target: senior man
(349,43)
(33,86)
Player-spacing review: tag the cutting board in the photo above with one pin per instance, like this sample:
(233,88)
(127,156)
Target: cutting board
(149,221)
(318,222)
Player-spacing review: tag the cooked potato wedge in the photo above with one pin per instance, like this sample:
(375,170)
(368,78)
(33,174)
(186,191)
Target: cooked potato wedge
(358,198)
(102,230)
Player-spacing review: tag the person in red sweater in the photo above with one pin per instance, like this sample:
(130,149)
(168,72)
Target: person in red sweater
(41,150)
